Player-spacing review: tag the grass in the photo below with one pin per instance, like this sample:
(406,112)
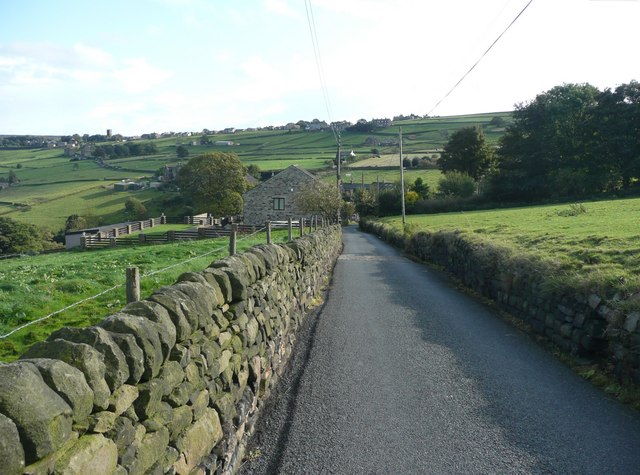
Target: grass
(53,187)
(597,244)
(33,287)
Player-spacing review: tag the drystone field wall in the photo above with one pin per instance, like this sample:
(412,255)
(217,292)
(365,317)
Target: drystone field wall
(171,384)
(579,321)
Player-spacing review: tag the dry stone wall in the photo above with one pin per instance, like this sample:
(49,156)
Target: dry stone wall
(579,321)
(171,384)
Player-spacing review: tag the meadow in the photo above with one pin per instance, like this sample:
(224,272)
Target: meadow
(32,287)
(52,187)
(596,243)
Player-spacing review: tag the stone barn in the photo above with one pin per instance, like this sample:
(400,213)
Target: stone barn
(274,199)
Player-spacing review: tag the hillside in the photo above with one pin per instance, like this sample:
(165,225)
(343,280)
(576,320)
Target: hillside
(52,187)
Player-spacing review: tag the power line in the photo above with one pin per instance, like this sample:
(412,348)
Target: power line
(318,58)
(481,57)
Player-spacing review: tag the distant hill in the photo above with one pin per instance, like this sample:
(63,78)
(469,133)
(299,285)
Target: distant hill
(52,186)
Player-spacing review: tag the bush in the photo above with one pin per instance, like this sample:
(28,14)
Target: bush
(457,184)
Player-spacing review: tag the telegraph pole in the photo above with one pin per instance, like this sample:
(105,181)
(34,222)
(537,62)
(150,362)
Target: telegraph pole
(338,182)
(339,159)
(404,217)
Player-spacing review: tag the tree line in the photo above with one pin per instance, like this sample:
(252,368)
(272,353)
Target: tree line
(131,149)
(571,141)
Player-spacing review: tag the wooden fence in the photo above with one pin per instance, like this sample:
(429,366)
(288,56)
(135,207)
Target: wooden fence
(115,237)
(100,240)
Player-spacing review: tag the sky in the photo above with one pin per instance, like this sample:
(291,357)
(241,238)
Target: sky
(75,66)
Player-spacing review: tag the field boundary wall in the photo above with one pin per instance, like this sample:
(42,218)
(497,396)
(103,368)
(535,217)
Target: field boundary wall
(170,384)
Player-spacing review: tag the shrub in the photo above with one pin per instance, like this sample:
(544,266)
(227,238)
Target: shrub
(457,184)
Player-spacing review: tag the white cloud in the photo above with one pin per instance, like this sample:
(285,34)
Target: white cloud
(137,75)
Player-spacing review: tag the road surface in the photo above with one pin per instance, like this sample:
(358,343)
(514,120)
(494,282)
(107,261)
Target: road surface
(400,373)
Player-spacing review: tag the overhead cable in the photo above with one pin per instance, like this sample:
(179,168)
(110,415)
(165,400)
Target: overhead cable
(481,57)
(318,58)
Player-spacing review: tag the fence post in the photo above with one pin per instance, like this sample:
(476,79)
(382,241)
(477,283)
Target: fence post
(141,225)
(83,241)
(290,229)
(152,222)
(301,226)
(232,239)
(171,235)
(142,237)
(115,232)
(112,242)
(133,284)
(310,225)
(268,224)
(163,219)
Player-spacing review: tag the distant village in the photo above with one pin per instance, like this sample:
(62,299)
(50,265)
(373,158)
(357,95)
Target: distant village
(82,145)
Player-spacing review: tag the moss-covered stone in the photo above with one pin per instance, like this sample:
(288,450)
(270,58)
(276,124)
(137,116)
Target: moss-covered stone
(102,422)
(11,451)
(182,418)
(80,356)
(197,441)
(116,367)
(151,450)
(222,279)
(158,314)
(147,335)
(132,353)
(43,418)
(175,304)
(122,433)
(69,383)
(122,398)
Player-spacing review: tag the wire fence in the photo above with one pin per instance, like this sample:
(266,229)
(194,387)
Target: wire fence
(148,274)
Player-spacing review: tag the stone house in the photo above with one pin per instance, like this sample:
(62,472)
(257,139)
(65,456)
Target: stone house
(274,199)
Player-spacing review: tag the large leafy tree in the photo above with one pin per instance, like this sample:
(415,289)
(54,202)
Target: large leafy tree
(214,182)
(545,151)
(467,152)
(615,130)
(17,237)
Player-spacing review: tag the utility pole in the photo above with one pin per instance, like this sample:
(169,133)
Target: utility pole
(338,181)
(339,159)
(404,217)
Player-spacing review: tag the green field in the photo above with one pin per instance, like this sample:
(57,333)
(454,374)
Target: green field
(52,187)
(36,286)
(596,243)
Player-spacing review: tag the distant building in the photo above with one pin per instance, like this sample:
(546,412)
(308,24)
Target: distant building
(109,133)
(274,199)
(227,143)
(170,172)
(381,123)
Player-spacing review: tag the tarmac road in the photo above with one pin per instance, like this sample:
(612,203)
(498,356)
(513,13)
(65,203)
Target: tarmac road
(400,373)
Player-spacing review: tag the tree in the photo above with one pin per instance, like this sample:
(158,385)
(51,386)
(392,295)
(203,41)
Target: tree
(365,202)
(135,209)
(254,171)
(615,128)
(457,184)
(16,237)
(214,182)
(421,188)
(74,222)
(466,152)
(12,179)
(547,142)
(182,151)
(320,199)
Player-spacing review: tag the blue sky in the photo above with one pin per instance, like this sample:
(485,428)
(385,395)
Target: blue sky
(184,65)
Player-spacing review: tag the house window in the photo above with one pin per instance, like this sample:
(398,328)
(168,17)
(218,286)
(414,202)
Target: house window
(278,204)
